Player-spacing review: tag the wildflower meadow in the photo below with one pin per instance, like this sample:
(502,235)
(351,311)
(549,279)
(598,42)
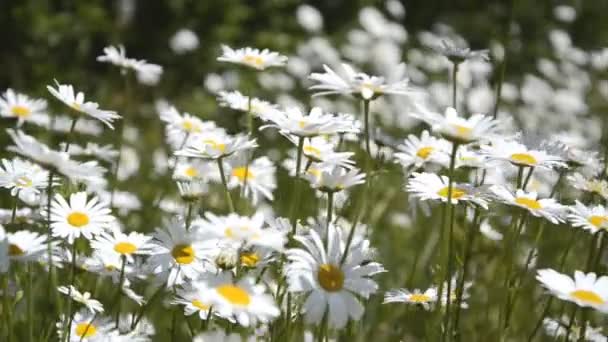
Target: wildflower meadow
(303,171)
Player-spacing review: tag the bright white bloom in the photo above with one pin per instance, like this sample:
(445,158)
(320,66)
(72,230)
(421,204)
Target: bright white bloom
(592,185)
(357,84)
(24,179)
(193,190)
(79,217)
(416,152)
(147,73)
(294,121)
(87,327)
(453,297)
(196,170)
(586,290)
(469,157)
(82,298)
(102,152)
(322,151)
(253,58)
(25,246)
(183,41)
(178,254)
(216,145)
(22,108)
(257,177)
(127,245)
(591,219)
(458,54)
(417,297)
(333,179)
(430,186)
(195,299)
(65,93)
(546,207)
(181,127)
(243,301)
(240,231)
(519,155)
(235,100)
(116,55)
(330,286)
(458,129)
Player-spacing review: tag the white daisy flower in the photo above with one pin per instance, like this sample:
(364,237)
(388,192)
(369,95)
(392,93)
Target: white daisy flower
(102,152)
(416,152)
(127,245)
(86,327)
(457,54)
(25,180)
(469,158)
(192,191)
(26,246)
(333,179)
(79,217)
(293,121)
(453,297)
(65,93)
(23,108)
(116,55)
(586,290)
(458,129)
(182,127)
(430,186)
(243,301)
(358,84)
(592,185)
(107,263)
(253,58)
(196,170)
(147,73)
(240,231)
(257,176)
(322,151)
(195,299)
(178,254)
(183,41)
(82,298)
(592,219)
(237,101)
(545,207)
(329,285)
(559,328)
(519,155)
(216,145)
(417,297)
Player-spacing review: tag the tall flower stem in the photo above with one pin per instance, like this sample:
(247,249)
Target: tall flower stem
(366,135)
(49,247)
(7,312)
(220,165)
(30,301)
(70,315)
(71,131)
(330,204)
(454,85)
(296,186)
(146,305)
(503,63)
(447,250)
(592,265)
(118,297)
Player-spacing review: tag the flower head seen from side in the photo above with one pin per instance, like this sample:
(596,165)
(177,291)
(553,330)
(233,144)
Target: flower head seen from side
(457,129)
(125,245)
(253,58)
(320,150)
(26,246)
(180,127)
(592,219)
(195,300)
(25,179)
(87,326)
(243,300)
(257,177)
(147,73)
(331,287)
(592,185)
(79,217)
(416,152)
(586,290)
(23,108)
(430,186)
(66,94)
(333,179)
(458,55)
(237,101)
(293,121)
(548,208)
(416,297)
(358,84)
(521,156)
(215,146)
(83,298)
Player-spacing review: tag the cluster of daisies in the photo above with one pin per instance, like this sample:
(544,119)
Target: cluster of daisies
(232,267)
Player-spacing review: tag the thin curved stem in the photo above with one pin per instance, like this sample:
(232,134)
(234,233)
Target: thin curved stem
(220,165)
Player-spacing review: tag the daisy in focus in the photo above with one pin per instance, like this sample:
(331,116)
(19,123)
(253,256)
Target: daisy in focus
(457,129)
(430,186)
(519,155)
(66,94)
(253,58)
(256,178)
(592,219)
(125,245)
(214,146)
(586,290)
(333,179)
(417,297)
(529,201)
(79,217)
(416,152)
(25,180)
(293,121)
(330,285)
(23,108)
(26,246)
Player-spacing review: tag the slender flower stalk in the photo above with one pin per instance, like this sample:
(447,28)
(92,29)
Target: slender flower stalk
(30,301)
(7,308)
(70,314)
(220,166)
(118,301)
(296,186)
(330,204)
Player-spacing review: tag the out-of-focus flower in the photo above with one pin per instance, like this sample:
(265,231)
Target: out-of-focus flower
(253,58)
(183,41)
(417,297)
(586,290)
(22,108)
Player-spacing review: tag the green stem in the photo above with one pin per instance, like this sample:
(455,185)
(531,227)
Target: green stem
(69,139)
(7,308)
(30,301)
(366,135)
(118,297)
(296,186)
(70,315)
(330,204)
(144,307)
(454,85)
(220,165)
(528,177)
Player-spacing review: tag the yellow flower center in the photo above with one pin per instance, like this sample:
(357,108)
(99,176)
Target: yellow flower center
(587,296)
(425,152)
(456,192)
(523,159)
(331,278)
(462,131)
(250,259)
(528,203)
(200,305)
(21,111)
(109,267)
(302,123)
(14,250)
(311,150)
(191,172)
(125,248)
(85,330)
(598,221)
(190,127)
(314,172)
(419,298)
(78,219)
(215,145)
(76,106)
(242,173)
(234,294)
(183,254)
(253,60)
(24,182)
